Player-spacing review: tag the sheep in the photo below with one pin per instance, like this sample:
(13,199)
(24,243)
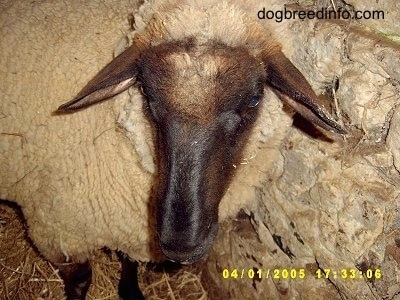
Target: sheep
(204,91)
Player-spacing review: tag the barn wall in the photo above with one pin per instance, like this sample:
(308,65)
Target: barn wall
(328,202)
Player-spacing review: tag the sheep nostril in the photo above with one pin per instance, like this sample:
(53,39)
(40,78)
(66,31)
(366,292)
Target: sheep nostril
(180,249)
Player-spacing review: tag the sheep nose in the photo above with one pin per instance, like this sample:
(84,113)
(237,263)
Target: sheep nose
(179,257)
(179,248)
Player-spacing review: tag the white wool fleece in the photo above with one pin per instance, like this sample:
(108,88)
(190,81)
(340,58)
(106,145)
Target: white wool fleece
(82,182)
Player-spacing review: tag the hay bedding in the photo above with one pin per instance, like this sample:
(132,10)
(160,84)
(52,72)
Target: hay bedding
(25,275)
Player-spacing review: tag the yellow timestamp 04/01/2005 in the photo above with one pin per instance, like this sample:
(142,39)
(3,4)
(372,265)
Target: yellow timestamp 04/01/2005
(255,273)
(300,273)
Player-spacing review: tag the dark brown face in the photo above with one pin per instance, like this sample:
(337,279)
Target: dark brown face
(202,101)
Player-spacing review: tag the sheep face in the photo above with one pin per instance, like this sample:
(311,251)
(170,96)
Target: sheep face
(202,101)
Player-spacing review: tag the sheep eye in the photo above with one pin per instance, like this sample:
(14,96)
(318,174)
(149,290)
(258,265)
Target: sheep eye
(254,101)
(142,90)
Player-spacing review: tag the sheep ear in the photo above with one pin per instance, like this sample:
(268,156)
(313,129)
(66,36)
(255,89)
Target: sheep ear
(293,88)
(113,79)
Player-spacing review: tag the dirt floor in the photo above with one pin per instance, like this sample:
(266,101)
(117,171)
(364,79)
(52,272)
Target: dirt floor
(25,275)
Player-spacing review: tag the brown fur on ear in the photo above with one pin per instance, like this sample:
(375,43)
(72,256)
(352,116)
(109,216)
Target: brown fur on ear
(114,78)
(293,88)
(118,75)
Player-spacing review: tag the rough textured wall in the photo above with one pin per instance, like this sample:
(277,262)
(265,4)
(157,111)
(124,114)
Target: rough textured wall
(328,205)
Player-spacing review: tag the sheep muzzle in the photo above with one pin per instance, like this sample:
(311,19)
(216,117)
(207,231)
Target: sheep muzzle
(194,171)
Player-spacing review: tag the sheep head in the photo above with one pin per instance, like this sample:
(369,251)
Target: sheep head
(203,100)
